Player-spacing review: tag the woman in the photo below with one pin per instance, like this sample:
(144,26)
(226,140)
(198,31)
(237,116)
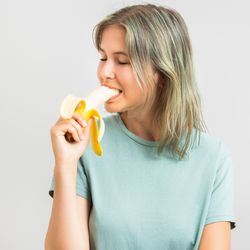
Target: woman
(163,182)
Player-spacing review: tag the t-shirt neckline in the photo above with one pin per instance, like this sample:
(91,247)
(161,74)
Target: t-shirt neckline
(134,136)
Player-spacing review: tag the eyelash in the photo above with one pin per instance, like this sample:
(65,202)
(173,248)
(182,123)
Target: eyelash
(103,60)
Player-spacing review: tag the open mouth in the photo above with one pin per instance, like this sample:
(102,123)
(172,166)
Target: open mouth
(115,96)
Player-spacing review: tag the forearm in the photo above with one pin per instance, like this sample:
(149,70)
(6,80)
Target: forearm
(65,230)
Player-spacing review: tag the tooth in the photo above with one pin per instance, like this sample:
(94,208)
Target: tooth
(86,108)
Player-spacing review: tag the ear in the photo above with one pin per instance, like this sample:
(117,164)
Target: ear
(158,79)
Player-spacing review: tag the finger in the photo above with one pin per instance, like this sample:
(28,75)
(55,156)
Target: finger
(72,130)
(78,128)
(79,119)
(87,130)
(66,130)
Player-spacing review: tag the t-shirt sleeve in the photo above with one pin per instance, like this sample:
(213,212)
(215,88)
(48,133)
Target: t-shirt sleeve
(221,207)
(82,183)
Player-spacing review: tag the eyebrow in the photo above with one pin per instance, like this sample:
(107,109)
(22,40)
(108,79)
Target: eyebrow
(116,53)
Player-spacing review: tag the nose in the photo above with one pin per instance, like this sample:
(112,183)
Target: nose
(108,70)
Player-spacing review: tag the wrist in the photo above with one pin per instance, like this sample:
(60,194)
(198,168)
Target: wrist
(67,167)
(65,162)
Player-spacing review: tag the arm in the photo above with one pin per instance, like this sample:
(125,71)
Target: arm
(216,236)
(68,227)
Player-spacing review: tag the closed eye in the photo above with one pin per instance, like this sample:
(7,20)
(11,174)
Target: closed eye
(122,63)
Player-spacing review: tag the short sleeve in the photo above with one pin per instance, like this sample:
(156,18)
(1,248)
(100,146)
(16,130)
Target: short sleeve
(221,207)
(82,183)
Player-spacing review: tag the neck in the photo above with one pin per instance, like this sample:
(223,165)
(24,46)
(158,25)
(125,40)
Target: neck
(141,125)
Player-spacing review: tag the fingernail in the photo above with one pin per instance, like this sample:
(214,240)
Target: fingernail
(84,123)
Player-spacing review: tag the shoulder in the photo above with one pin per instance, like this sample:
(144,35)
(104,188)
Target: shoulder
(209,150)
(211,145)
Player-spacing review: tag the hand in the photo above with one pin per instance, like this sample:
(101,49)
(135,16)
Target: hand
(70,152)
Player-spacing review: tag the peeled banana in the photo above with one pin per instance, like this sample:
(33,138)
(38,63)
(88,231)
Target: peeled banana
(86,108)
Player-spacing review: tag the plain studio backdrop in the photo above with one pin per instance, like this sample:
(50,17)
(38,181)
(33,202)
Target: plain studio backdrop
(46,52)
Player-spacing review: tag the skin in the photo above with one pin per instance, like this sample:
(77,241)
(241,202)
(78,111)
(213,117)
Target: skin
(115,70)
(216,236)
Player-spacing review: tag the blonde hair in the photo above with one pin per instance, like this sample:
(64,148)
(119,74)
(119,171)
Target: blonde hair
(158,36)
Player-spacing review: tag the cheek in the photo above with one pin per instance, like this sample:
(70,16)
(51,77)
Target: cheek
(128,76)
(98,71)
(133,90)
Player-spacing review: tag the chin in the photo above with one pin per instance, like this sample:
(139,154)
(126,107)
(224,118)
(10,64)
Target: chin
(111,109)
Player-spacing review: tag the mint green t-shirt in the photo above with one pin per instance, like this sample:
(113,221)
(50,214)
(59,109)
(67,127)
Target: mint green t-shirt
(141,201)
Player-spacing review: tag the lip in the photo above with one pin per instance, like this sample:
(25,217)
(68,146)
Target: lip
(111,87)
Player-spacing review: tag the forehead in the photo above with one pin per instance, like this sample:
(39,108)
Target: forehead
(113,39)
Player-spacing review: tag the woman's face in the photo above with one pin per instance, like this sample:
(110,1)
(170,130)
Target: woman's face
(114,70)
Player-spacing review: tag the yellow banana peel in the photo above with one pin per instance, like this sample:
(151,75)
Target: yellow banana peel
(86,108)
